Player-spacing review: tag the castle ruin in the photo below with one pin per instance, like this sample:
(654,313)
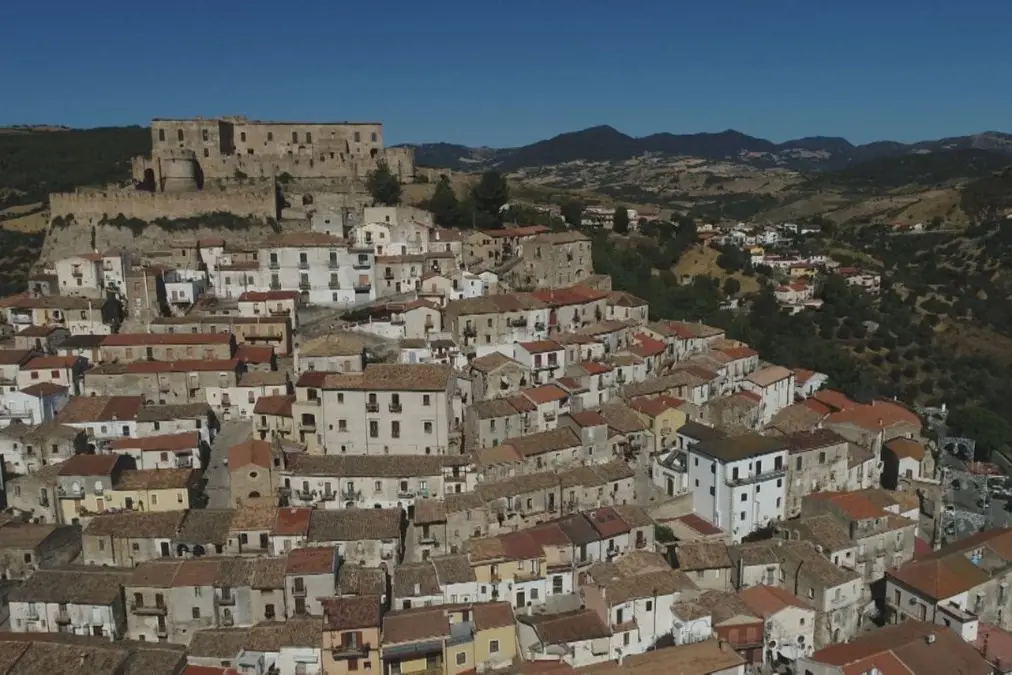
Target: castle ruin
(186,153)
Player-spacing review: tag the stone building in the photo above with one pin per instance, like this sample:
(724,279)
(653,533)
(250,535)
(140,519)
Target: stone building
(185,153)
(552,260)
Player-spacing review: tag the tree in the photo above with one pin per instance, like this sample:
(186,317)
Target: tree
(383,185)
(991,431)
(489,196)
(731,286)
(621,220)
(572,212)
(444,205)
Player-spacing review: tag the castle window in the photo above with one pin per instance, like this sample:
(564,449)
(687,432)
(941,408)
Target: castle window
(270,135)
(242,136)
(204,134)
(374,137)
(161,134)
(207,153)
(358,137)
(249,151)
(295,137)
(309,137)
(179,134)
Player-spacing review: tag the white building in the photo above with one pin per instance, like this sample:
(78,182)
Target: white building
(775,387)
(394,230)
(790,623)
(324,269)
(80,600)
(92,274)
(739,483)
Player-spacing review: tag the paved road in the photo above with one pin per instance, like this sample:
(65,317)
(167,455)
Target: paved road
(216,476)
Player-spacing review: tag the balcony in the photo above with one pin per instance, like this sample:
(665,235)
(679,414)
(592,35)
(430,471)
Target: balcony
(77,274)
(361,247)
(274,265)
(304,495)
(362,264)
(63,618)
(333,264)
(394,407)
(299,591)
(309,426)
(405,494)
(469,331)
(334,285)
(64,493)
(351,496)
(278,311)
(184,461)
(310,401)
(303,264)
(756,478)
(388,275)
(372,407)
(518,322)
(328,496)
(148,610)
(427,539)
(275,285)
(225,599)
(362,286)
(350,650)
(304,285)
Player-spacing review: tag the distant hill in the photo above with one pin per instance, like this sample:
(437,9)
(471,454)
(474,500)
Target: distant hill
(34,163)
(927,169)
(605,143)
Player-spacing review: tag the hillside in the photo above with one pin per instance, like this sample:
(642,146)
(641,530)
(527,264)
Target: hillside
(35,163)
(607,144)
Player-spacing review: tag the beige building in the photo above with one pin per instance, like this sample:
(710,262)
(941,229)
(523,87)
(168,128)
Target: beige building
(552,260)
(130,347)
(351,634)
(251,470)
(818,461)
(268,330)
(387,409)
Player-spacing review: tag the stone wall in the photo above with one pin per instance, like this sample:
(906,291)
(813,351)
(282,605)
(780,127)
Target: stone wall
(90,207)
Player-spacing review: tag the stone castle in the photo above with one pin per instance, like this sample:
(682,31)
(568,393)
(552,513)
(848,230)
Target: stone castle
(187,153)
(264,171)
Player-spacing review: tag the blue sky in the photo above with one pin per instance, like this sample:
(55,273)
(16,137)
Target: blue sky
(509,73)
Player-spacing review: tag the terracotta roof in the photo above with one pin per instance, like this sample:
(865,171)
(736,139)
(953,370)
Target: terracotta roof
(806,441)
(544,442)
(43,389)
(354,525)
(48,362)
(876,416)
(89,465)
(206,526)
(766,601)
(699,524)
(351,613)
(941,578)
(280,406)
(339,343)
(13,357)
(621,418)
(492,361)
(366,466)
(541,346)
(318,560)
(834,400)
(588,418)
(100,409)
(186,440)
(702,555)
(769,376)
(262,296)
(304,240)
(136,524)
(414,625)
(254,354)
(292,521)
(739,447)
(545,394)
(567,627)
(655,405)
(248,452)
(394,377)
(905,448)
(155,479)
(143,339)
(415,580)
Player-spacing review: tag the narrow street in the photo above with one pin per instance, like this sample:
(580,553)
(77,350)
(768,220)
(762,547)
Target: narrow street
(216,475)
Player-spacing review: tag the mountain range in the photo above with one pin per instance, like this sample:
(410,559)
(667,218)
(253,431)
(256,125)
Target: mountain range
(607,144)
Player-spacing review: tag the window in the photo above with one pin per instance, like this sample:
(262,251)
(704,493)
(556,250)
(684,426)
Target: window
(712,492)
(493,646)
(743,515)
(374,429)
(461,658)
(822,457)
(161,135)
(270,135)
(797,463)
(428,427)
(395,429)
(426,399)
(242,136)
(342,425)
(358,137)
(352,664)
(309,137)
(374,137)
(196,612)
(650,605)
(179,134)
(734,473)
(295,137)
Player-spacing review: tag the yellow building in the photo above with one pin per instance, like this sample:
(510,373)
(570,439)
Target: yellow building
(449,639)
(132,490)
(664,416)
(351,634)
(510,563)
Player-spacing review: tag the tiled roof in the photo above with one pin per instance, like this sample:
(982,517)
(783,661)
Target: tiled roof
(155,479)
(186,440)
(248,452)
(415,580)
(136,524)
(905,448)
(146,339)
(318,560)
(568,627)
(702,555)
(291,521)
(82,409)
(544,442)
(89,465)
(394,377)
(351,613)
(765,601)
(355,525)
